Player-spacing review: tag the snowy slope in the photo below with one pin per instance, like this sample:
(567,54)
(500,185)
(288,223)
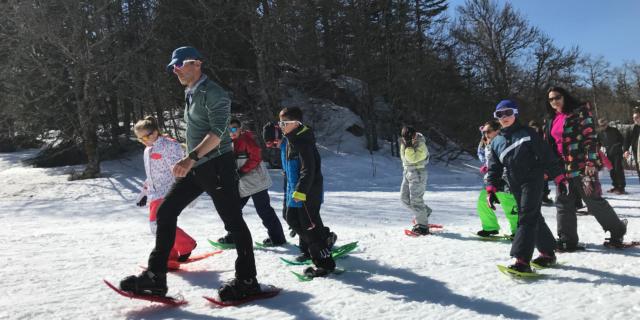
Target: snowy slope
(61,238)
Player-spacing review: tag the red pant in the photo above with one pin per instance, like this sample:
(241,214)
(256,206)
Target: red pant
(183,244)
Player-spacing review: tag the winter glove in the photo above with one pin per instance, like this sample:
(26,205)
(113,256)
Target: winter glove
(492,199)
(292,233)
(299,196)
(562,185)
(484,169)
(142,202)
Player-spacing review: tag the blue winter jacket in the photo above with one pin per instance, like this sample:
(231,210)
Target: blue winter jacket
(301,166)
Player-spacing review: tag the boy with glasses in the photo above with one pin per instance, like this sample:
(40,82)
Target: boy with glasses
(304,191)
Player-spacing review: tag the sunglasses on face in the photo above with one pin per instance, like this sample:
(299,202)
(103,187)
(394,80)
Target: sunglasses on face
(556,98)
(145,138)
(233,129)
(283,124)
(180,65)
(504,113)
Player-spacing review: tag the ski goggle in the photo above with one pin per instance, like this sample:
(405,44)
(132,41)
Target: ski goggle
(233,129)
(503,113)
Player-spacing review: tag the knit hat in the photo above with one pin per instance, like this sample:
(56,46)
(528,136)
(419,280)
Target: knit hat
(505,105)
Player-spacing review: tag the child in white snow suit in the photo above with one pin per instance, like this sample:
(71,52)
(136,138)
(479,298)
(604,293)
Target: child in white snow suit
(160,154)
(521,152)
(415,156)
(304,190)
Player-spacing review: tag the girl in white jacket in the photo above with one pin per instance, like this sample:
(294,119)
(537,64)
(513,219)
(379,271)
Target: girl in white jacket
(161,153)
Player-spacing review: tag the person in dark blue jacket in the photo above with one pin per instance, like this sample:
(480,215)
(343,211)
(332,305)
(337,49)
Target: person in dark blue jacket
(304,190)
(526,158)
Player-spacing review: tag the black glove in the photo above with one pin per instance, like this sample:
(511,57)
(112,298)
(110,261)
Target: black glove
(292,233)
(142,202)
(562,188)
(492,199)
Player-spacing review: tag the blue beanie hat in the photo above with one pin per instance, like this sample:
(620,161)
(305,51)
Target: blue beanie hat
(181,54)
(507,104)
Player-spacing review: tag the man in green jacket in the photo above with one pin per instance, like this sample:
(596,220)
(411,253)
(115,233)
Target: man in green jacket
(415,156)
(209,167)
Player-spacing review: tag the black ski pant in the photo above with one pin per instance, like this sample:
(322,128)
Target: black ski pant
(532,229)
(267,214)
(596,205)
(617,172)
(306,222)
(217,177)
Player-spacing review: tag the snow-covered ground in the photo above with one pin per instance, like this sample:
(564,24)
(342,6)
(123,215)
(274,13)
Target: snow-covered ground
(59,240)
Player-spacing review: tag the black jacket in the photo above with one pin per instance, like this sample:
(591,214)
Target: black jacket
(631,140)
(302,166)
(522,152)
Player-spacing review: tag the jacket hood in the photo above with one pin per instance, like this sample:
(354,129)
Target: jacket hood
(302,134)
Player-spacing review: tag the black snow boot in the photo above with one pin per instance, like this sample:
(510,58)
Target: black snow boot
(184,257)
(237,289)
(521,266)
(617,240)
(545,260)
(304,256)
(147,282)
(269,243)
(563,246)
(331,239)
(312,272)
(421,229)
(487,233)
(228,239)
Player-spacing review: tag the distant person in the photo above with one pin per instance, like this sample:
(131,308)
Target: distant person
(415,156)
(304,195)
(631,141)
(254,183)
(521,152)
(160,154)
(571,134)
(490,225)
(612,141)
(209,167)
(272,136)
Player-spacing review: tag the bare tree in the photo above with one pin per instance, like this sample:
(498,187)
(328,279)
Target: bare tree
(492,39)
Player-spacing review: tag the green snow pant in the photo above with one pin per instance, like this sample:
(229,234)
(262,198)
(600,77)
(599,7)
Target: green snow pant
(488,216)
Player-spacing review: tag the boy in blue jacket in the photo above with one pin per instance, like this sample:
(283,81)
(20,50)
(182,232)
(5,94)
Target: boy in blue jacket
(304,195)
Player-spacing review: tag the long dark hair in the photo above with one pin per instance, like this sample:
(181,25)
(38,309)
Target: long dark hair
(570,103)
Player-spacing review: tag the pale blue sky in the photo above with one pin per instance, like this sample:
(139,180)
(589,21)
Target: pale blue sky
(600,27)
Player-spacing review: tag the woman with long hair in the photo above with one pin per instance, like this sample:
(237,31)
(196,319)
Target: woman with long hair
(571,133)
